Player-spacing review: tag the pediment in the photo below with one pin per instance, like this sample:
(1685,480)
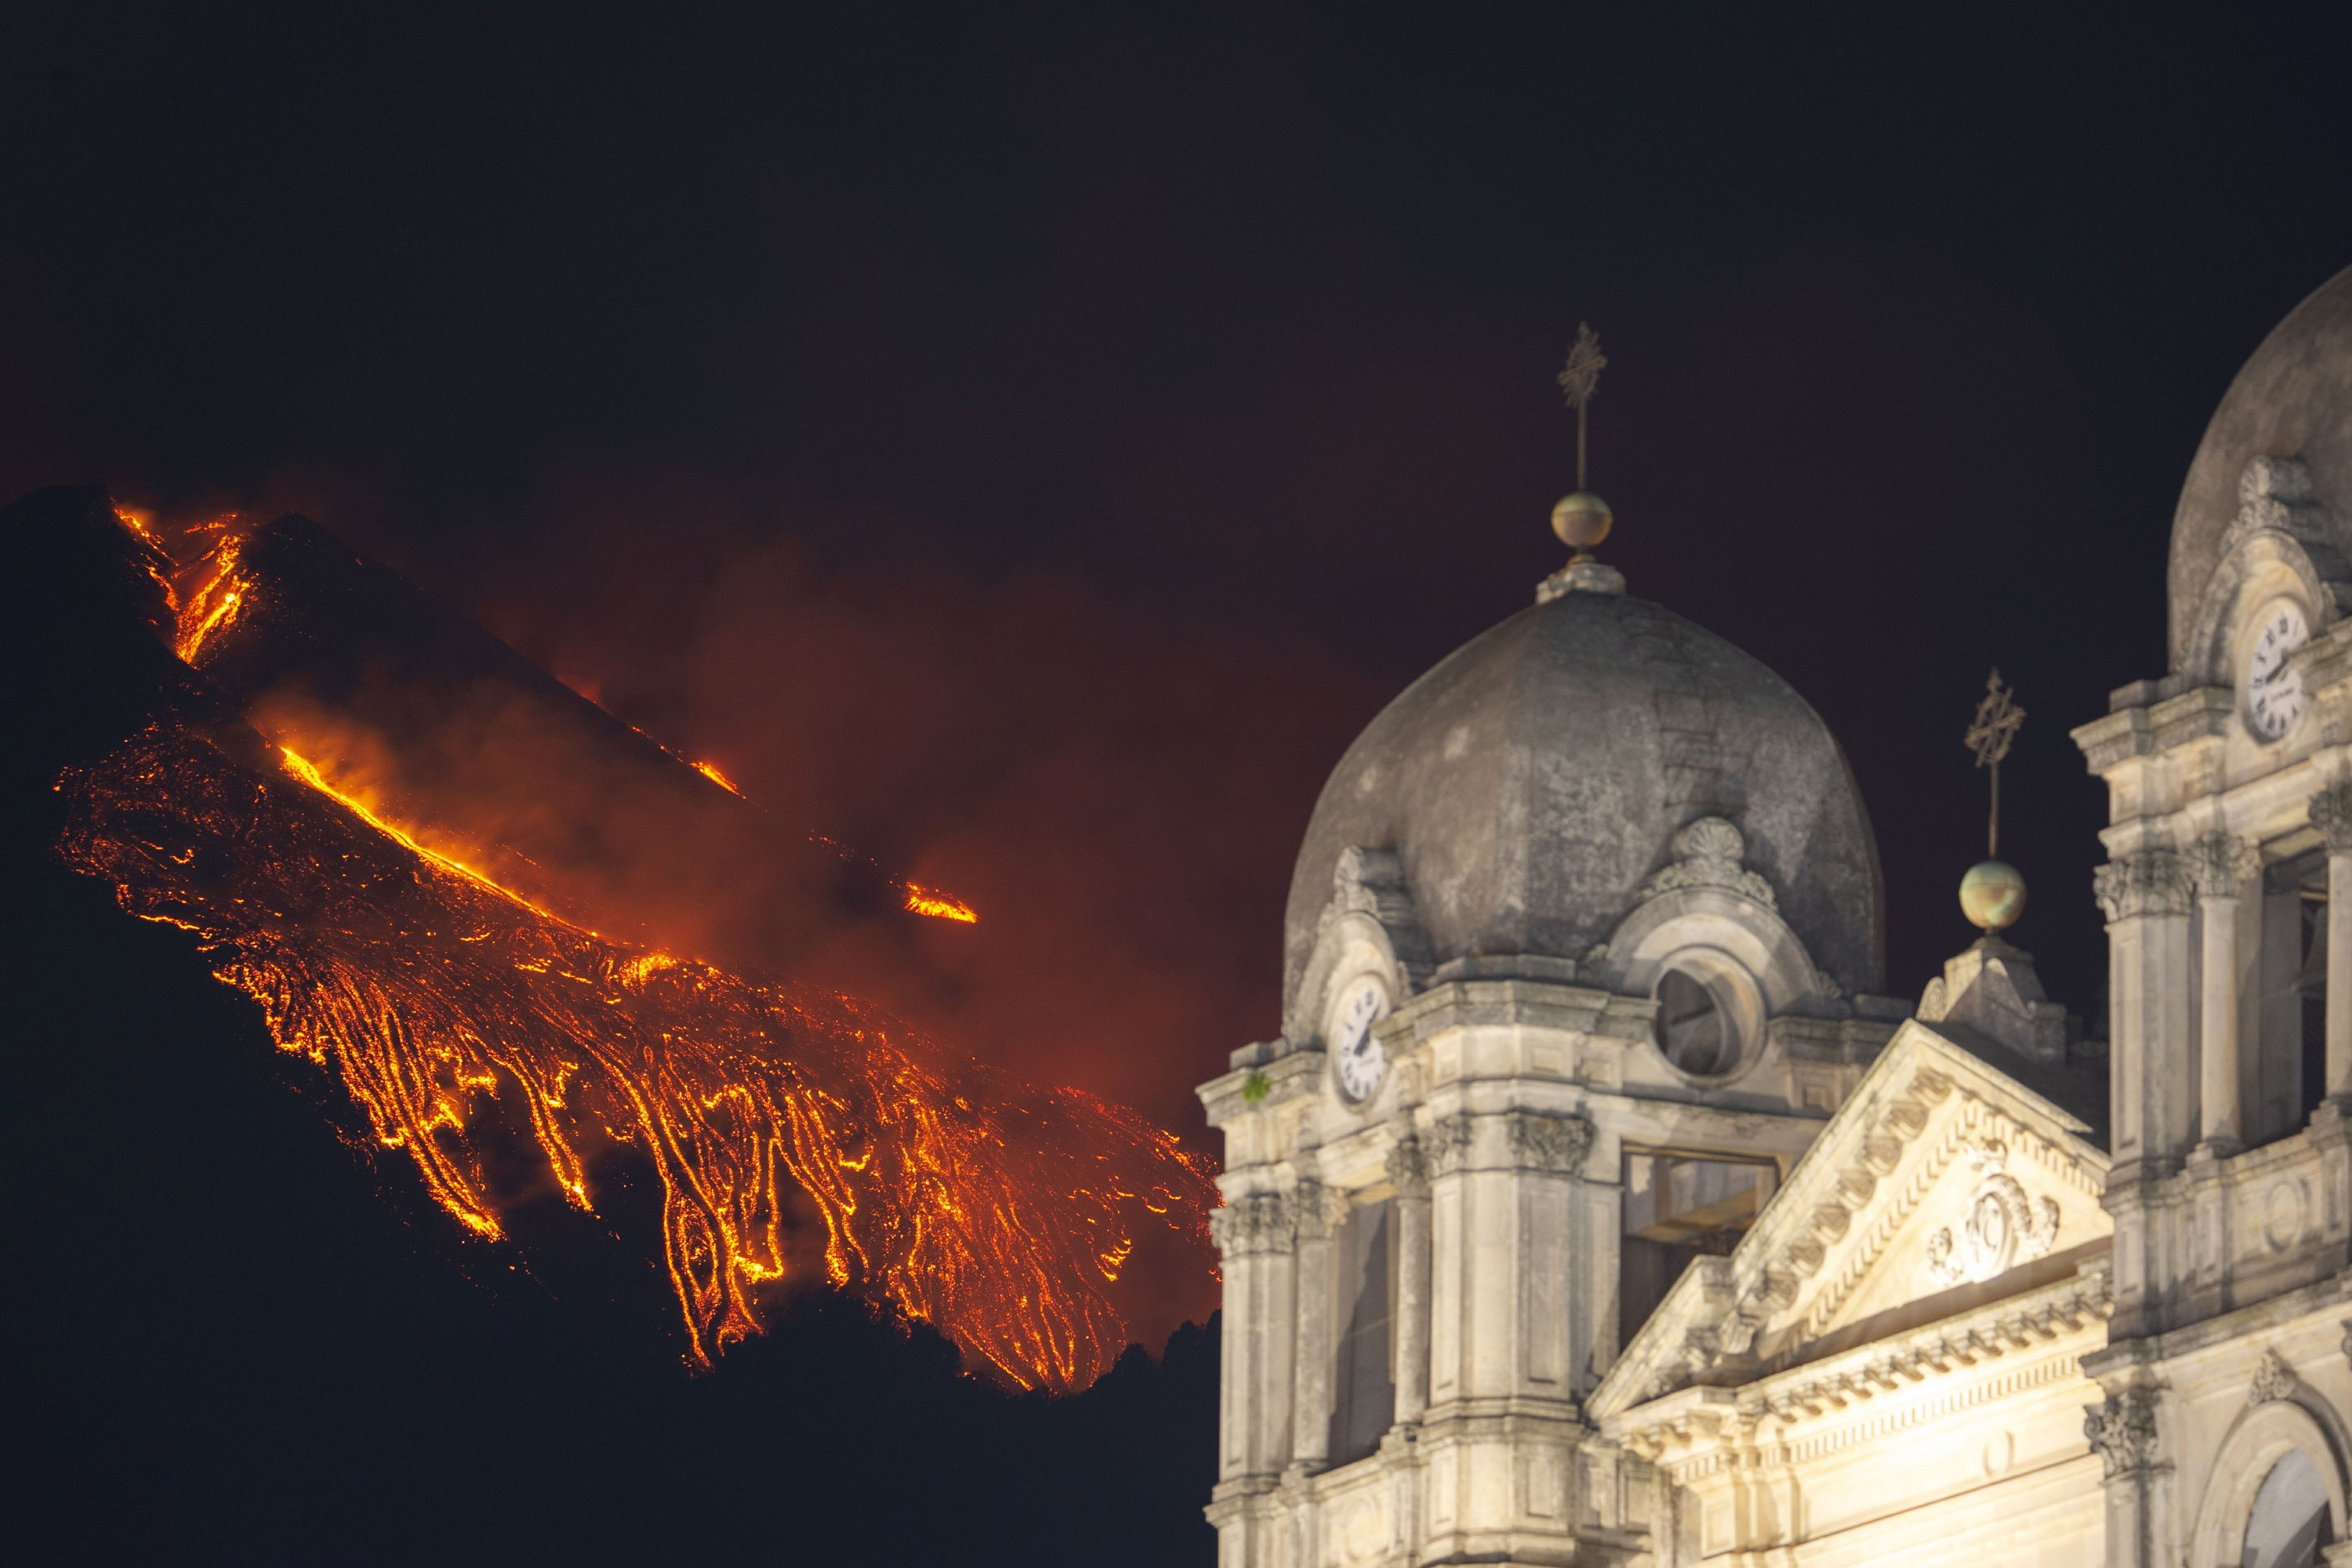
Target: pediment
(1940,1185)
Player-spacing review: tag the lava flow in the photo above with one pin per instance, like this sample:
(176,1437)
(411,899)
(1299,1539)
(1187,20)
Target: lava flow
(453,1008)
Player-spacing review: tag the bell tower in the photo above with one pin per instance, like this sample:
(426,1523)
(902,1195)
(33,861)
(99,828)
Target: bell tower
(1579,957)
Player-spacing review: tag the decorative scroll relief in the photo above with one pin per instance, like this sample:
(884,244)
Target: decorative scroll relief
(2274,1380)
(2003,1227)
(1709,854)
(2123,1430)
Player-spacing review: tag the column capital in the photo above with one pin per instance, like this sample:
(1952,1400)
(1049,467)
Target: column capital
(1316,1211)
(1409,1167)
(2220,864)
(2123,1430)
(2330,810)
(1256,1224)
(1450,1140)
(2152,882)
(1545,1143)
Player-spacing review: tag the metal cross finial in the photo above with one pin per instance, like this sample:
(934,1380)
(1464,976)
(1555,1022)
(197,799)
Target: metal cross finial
(1996,726)
(1577,379)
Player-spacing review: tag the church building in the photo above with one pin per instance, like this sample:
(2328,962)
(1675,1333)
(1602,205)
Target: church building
(1597,1204)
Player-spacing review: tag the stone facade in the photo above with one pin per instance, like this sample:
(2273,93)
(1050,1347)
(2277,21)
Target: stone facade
(1662,1242)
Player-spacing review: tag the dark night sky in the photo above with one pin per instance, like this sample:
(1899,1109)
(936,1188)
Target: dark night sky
(1031,446)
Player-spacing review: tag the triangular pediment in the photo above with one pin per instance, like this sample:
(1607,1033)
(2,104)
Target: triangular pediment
(1941,1184)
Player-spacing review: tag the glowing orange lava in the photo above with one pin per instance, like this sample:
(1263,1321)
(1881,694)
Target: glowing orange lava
(939,906)
(220,590)
(777,1118)
(997,1212)
(710,771)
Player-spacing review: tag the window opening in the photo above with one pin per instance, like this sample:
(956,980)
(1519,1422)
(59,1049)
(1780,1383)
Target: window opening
(1677,1208)
(1363,1403)
(1694,1028)
(2291,1067)
(2288,1524)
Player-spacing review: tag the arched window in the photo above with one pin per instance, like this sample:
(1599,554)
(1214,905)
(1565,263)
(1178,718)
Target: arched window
(2289,1523)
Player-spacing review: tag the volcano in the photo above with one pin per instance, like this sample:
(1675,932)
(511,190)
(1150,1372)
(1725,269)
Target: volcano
(504,920)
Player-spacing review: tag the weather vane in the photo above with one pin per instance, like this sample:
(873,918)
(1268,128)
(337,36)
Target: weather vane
(1995,730)
(1582,519)
(1578,379)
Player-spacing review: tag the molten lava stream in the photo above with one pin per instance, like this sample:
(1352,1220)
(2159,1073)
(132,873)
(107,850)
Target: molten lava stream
(997,1212)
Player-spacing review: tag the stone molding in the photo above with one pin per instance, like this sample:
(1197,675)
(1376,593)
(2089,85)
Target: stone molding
(2274,1379)
(1255,1225)
(1709,853)
(2330,810)
(2152,882)
(1408,1166)
(2123,1430)
(2222,863)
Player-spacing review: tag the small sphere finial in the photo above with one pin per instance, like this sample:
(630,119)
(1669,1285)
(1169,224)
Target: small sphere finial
(1993,895)
(1581,521)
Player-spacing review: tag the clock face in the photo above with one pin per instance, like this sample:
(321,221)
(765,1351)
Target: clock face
(1356,1056)
(2274,697)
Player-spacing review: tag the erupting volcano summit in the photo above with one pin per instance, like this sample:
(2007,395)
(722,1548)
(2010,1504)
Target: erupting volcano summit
(455,885)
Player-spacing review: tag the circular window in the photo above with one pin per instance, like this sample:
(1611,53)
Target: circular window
(1698,1027)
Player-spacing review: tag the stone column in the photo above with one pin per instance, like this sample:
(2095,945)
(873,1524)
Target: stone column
(1256,1234)
(2331,813)
(1409,1169)
(2146,896)
(2124,1432)
(2220,866)
(1316,1210)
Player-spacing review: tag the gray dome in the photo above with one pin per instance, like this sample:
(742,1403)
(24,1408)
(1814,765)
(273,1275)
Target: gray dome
(2292,399)
(1529,785)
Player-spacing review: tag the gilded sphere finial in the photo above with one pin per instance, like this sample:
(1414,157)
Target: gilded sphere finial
(1581,521)
(1993,895)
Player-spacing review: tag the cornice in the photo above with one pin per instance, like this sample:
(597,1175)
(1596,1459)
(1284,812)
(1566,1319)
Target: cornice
(1460,1003)
(1812,1406)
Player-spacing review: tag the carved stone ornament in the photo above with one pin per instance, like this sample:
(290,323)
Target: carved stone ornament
(1259,1222)
(2331,813)
(2152,882)
(2275,493)
(1707,854)
(2003,1228)
(2274,1380)
(1550,1143)
(1450,1142)
(2222,863)
(2123,1430)
(1409,1168)
(1316,1210)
